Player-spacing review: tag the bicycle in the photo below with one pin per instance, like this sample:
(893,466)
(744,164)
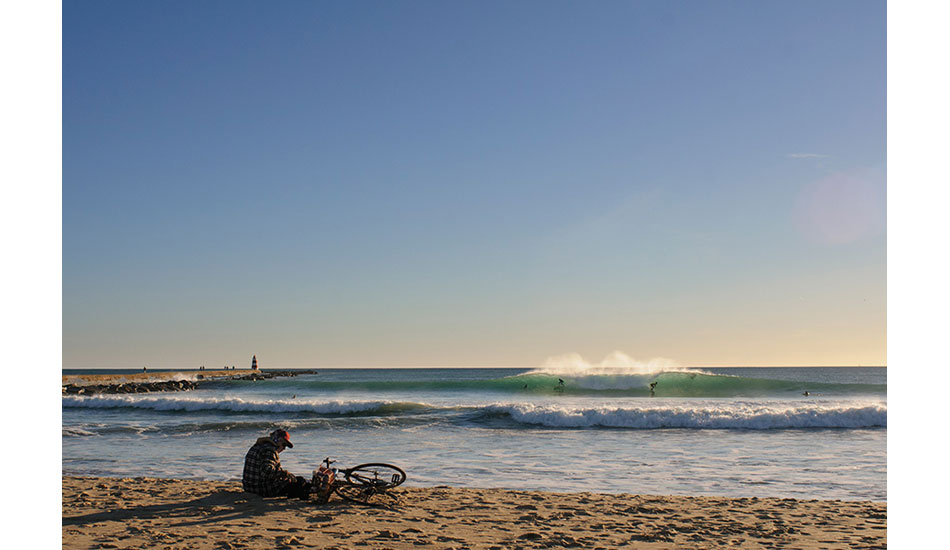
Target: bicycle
(363,484)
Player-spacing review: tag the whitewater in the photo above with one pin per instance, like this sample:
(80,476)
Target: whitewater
(786,432)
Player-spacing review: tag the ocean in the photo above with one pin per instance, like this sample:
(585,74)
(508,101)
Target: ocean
(808,433)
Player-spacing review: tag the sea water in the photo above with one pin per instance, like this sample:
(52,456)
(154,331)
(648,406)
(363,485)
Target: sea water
(811,433)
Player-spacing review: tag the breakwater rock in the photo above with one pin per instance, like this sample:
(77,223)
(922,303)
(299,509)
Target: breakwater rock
(130,387)
(79,385)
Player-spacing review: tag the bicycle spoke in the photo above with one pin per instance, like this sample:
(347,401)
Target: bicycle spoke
(364,494)
(376,474)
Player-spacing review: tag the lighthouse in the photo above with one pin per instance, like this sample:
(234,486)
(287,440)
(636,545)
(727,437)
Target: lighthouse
(254,363)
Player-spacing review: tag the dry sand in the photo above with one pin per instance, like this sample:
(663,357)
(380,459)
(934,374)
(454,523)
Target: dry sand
(181,514)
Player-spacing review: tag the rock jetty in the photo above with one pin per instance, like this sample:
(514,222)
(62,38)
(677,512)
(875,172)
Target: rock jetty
(130,387)
(174,381)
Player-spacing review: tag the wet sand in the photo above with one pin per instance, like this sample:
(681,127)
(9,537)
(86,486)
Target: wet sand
(184,514)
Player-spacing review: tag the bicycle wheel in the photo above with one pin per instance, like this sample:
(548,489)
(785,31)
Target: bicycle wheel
(376,474)
(364,494)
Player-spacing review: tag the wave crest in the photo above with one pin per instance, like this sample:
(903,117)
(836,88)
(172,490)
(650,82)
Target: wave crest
(737,416)
(238,405)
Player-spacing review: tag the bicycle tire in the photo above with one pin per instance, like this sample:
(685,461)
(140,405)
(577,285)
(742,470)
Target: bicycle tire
(364,494)
(369,474)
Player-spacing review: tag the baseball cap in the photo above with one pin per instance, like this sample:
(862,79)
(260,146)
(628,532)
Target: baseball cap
(278,435)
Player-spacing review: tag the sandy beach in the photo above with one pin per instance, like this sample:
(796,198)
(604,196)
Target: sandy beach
(176,514)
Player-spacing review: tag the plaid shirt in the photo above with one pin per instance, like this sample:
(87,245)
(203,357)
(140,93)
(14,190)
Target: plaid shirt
(262,472)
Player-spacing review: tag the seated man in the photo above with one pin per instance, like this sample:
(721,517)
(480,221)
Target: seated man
(263,474)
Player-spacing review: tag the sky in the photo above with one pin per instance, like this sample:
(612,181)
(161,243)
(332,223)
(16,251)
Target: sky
(473,183)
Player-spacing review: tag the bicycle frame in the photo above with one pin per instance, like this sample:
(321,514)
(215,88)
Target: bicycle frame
(364,484)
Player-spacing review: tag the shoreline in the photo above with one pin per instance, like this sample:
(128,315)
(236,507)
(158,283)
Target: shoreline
(107,512)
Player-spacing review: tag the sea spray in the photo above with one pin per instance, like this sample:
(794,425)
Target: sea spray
(615,363)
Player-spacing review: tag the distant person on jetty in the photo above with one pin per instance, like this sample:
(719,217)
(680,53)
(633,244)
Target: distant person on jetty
(262,472)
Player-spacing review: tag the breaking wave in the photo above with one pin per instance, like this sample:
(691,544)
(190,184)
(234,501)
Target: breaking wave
(699,415)
(735,416)
(239,405)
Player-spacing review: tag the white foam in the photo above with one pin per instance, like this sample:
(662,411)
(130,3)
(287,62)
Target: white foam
(732,416)
(235,404)
(76,431)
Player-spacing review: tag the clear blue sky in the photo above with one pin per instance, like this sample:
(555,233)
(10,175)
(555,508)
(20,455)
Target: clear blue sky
(473,183)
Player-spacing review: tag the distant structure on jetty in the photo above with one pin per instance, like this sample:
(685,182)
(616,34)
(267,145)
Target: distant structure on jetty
(254,363)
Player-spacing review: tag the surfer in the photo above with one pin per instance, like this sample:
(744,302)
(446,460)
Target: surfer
(560,385)
(805,393)
(652,388)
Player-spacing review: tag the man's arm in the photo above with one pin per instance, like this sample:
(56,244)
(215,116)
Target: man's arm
(274,475)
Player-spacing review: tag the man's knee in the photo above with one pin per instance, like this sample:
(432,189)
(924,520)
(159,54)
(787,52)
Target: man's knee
(299,488)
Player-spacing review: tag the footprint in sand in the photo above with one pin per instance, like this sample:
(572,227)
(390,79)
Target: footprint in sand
(288,541)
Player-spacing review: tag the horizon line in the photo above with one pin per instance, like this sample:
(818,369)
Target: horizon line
(477,367)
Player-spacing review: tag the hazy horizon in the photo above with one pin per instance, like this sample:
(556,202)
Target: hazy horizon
(616,360)
(487,367)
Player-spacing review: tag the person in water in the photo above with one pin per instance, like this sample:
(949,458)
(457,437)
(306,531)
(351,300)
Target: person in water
(262,472)
(652,388)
